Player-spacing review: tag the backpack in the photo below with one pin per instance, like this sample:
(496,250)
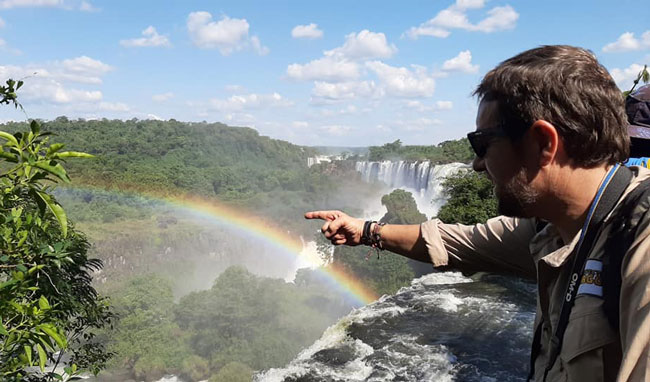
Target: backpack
(632,210)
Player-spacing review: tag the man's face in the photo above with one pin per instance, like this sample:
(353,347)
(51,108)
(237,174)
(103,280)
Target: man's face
(503,165)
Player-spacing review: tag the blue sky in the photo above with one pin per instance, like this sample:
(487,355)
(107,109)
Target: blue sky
(345,73)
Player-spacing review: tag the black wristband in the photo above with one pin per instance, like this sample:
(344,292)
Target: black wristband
(366,235)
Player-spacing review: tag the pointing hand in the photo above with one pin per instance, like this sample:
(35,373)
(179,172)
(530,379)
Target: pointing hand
(339,228)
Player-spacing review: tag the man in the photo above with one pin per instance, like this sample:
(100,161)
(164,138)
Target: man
(550,132)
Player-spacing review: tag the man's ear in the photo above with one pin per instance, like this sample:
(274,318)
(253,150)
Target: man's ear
(546,141)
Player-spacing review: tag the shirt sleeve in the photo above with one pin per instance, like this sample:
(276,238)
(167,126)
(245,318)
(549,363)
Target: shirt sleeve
(635,307)
(500,245)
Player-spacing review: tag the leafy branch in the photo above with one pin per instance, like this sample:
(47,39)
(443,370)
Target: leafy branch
(48,306)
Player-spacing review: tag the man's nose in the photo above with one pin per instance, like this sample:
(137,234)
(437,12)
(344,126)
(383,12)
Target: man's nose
(478,164)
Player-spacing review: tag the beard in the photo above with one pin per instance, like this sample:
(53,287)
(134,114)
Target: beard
(516,197)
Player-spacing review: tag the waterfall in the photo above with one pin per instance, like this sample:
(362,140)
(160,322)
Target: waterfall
(420,178)
(322,158)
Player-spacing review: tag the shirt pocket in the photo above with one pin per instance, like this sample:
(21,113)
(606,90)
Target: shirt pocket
(588,333)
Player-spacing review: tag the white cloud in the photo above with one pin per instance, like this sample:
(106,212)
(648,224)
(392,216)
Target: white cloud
(249,101)
(326,91)
(324,69)
(627,42)
(2,42)
(227,35)
(310,31)
(460,63)
(150,37)
(403,82)
(154,117)
(300,124)
(444,105)
(50,83)
(625,77)
(455,17)
(363,45)
(83,69)
(114,106)
(52,91)
(241,119)
(336,130)
(65,4)
(258,47)
(470,4)
(499,18)
(162,97)
(6,4)
(2,23)
(437,106)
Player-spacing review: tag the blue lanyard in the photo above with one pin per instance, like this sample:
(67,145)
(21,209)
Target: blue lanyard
(594,204)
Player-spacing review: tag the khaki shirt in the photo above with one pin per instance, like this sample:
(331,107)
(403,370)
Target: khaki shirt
(591,350)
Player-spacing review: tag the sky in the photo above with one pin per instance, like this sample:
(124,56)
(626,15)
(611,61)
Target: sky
(318,73)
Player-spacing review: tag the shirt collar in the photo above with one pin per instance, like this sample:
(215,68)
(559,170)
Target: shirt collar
(547,245)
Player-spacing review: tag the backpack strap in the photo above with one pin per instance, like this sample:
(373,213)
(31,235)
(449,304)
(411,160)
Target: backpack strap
(628,214)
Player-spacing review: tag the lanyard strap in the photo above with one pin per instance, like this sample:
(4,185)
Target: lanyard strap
(609,192)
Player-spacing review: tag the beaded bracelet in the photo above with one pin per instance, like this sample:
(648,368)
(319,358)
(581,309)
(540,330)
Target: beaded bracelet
(372,236)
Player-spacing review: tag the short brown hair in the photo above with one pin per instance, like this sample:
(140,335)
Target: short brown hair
(567,87)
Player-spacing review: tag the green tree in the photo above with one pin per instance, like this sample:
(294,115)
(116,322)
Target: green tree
(233,372)
(147,342)
(8,93)
(386,272)
(471,199)
(48,306)
(401,208)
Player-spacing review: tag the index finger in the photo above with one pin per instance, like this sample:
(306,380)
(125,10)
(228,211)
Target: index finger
(324,215)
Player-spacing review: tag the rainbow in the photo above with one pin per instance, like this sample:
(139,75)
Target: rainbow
(243,221)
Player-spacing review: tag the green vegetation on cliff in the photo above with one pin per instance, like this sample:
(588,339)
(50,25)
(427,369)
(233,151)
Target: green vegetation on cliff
(471,199)
(384,272)
(234,165)
(445,152)
(243,323)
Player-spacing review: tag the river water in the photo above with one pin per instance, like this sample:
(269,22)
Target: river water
(444,327)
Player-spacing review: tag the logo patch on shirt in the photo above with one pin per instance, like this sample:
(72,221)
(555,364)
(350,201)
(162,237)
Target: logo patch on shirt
(591,282)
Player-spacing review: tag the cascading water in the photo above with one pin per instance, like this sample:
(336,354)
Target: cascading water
(420,178)
(444,327)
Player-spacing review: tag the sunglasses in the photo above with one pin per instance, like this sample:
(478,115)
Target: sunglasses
(481,139)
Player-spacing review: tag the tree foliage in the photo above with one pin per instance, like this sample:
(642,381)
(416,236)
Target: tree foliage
(444,152)
(48,306)
(243,323)
(471,199)
(401,208)
(384,272)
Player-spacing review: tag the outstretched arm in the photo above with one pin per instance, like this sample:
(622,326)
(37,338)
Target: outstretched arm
(339,228)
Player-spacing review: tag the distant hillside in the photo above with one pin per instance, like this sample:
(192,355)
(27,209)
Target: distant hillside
(444,152)
(338,150)
(234,165)
(204,158)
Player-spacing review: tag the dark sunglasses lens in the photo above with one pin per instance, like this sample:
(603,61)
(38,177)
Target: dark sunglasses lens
(478,143)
